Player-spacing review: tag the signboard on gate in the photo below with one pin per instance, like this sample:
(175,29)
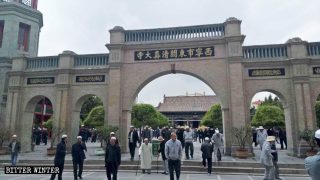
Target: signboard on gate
(266,72)
(196,52)
(40,80)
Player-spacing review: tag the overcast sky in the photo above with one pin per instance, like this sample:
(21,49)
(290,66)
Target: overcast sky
(82,26)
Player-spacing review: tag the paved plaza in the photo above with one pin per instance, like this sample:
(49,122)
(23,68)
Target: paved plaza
(133,176)
(40,156)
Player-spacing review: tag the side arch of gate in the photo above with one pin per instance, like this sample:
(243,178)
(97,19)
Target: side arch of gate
(282,89)
(24,126)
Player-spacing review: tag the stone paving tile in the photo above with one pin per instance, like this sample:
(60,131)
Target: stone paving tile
(132,176)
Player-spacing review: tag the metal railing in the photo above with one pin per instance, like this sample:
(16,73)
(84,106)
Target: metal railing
(37,63)
(313,49)
(265,51)
(177,33)
(91,60)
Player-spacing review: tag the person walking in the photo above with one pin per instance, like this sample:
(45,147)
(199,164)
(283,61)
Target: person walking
(133,138)
(217,140)
(14,148)
(180,135)
(254,136)
(78,157)
(166,134)
(266,158)
(112,159)
(261,136)
(112,134)
(173,151)
(60,156)
(188,139)
(275,161)
(312,163)
(45,136)
(145,153)
(207,149)
(146,133)
(163,155)
(283,138)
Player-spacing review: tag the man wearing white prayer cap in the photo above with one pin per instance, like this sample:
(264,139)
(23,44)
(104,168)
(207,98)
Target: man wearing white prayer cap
(78,157)
(60,156)
(112,158)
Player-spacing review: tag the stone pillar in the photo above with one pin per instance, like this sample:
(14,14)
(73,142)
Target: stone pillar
(5,67)
(62,113)
(13,98)
(124,129)
(305,119)
(227,128)
(14,108)
(237,106)
(115,115)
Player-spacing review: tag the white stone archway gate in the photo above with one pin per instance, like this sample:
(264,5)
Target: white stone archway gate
(212,53)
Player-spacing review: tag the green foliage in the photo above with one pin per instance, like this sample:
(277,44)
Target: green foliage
(95,118)
(308,136)
(88,105)
(146,114)
(55,134)
(252,112)
(213,118)
(242,135)
(104,132)
(49,123)
(268,116)
(162,120)
(318,113)
(272,102)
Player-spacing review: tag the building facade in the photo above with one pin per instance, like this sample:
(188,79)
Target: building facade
(212,53)
(186,110)
(20,24)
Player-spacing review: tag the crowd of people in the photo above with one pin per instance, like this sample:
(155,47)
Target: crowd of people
(172,143)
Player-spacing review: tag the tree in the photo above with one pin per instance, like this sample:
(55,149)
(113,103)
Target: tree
(268,116)
(146,114)
(213,118)
(252,112)
(95,118)
(318,113)
(272,101)
(88,105)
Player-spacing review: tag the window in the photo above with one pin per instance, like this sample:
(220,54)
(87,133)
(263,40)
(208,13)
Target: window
(23,39)
(1,32)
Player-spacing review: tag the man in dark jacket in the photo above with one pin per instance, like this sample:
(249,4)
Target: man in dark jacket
(180,131)
(146,133)
(45,136)
(78,157)
(207,149)
(112,159)
(60,156)
(166,134)
(163,155)
(14,148)
(133,138)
